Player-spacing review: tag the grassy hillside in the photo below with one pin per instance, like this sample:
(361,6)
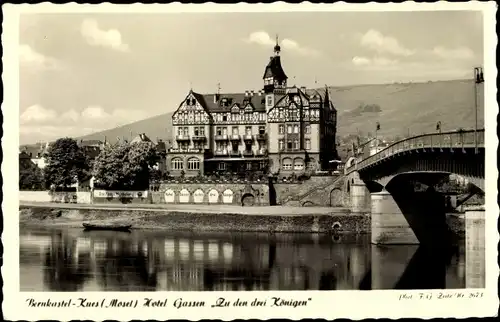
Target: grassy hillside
(401,107)
(155,127)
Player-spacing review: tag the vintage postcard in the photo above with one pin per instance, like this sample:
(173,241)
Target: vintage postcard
(249,161)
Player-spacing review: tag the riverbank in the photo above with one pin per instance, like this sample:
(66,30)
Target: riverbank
(207,218)
(198,217)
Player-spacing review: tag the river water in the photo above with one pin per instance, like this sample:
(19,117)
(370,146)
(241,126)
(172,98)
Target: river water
(75,260)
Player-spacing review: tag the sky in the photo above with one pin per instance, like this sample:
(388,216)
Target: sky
(82,73)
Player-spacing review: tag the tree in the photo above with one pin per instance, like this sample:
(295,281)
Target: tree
(66,164)
(124,166)
(30,176)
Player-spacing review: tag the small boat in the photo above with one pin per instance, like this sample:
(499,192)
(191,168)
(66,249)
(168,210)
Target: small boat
(115,227)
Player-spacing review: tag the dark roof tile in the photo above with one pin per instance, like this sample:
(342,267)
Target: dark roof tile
(207,100)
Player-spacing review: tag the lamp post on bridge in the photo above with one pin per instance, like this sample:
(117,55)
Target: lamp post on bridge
(376,137)
(438,127)
(478,79)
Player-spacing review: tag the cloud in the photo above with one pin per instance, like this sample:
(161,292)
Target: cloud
(263,38)
(37,114)
(39,123)
(29,57)
(373,62)
(94,113)
(376,41)
(459,53)
(95,36)
(92,116)
(294,46)
(71,115)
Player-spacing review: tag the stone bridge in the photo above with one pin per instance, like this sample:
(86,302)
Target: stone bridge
(384,184)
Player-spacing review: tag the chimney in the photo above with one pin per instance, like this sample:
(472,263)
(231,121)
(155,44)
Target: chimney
(246,93)
(251,93)
(216,97)
(303,89)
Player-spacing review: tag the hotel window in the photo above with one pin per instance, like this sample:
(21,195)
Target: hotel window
(295,128)
(224,131)
(221,166)
(289,145)
(281,129)
(179,131)
(235,130)
(262,130)
(202,131)
(248,130)
(193,164)
(308,144)
(218,131)
(269,100)
(287,164)
(295,144)
(308,129)
(262,165)
(249,166)
(281,144)
(186,131)
(196,132)
(198,145)
(177,164)
(298,164)
(289,129)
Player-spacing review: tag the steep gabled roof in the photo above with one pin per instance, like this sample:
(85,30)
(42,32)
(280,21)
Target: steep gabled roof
(258,102)
(274,69)
(141,138)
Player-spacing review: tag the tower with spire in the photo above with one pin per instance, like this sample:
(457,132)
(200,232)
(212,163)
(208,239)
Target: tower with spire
(274,75)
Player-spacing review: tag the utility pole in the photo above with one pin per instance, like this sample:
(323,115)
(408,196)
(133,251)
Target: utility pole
(376,135)
(478,79)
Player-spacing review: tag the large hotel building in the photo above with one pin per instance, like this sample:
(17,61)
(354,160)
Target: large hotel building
(278,129)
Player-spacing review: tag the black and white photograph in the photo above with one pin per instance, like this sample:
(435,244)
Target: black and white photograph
(205,157)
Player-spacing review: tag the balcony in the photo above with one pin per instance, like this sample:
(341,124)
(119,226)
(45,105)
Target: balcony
(235,137)
(248,153)
(221,137)
(261,137)
(199,138)
(234,153)
(182,137)
(261,152)
(247,137)
(220,152)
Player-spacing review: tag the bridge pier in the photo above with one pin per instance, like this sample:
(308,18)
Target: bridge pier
(389,225)
(360,197)
(475,248)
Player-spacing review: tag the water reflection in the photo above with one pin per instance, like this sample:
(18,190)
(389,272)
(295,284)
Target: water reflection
(74,260)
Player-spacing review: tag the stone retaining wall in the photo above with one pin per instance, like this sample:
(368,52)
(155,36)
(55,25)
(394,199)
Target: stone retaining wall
(213,193)
(59,197)
(334,223)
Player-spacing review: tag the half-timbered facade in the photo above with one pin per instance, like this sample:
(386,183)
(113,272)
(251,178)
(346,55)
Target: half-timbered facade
(277,129)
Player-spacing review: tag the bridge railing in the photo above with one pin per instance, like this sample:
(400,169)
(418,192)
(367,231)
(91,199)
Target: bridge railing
(455,139)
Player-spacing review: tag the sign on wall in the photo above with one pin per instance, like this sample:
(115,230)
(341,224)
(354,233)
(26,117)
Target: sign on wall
(120,194)
(213,196)
(184,196)
(198,196)
(169,196)
(227,196)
